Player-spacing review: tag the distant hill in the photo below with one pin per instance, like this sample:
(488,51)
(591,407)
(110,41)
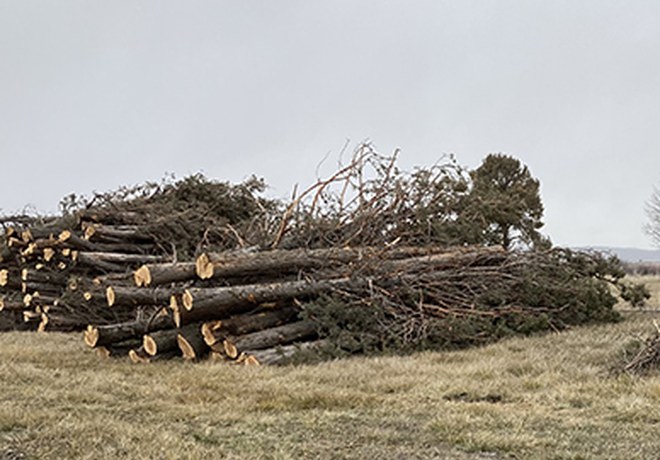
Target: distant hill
(630,254)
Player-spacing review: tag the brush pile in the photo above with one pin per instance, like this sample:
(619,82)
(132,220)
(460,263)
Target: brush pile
(644,358)
(371,260)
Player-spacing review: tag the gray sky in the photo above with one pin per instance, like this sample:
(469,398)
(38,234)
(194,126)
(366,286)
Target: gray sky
(97,94)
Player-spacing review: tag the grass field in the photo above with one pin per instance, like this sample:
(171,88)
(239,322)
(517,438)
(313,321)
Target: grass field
(547,397)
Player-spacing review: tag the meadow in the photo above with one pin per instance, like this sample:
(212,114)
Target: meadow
(553,396)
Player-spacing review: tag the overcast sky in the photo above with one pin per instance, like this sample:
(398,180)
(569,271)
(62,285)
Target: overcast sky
(97,94)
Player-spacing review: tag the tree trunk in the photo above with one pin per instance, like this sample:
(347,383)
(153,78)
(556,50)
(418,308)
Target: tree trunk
(280,355)
(74,241)
(11,305)
(268,338)
(111,217)
(104,335)
(159,274)
(209,265)
(219,303)
(120,258)
(217,331)
(126,233)
(30,275)
(123,295)
(99,265)
(10,279)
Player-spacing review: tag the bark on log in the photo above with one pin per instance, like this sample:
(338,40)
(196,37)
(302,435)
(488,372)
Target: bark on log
(126,233)
(37,299)
(74,241)
(268,338)
(11,305)
(104,335)
(451,259)
(31,275)
(280,355)
(219,303)
(121,258)
(113,279)
(159,274)
(59,322)
(94,263)
(45,289)
(39,232)
(123,295)
(217,331)
(209,265)
(111,217)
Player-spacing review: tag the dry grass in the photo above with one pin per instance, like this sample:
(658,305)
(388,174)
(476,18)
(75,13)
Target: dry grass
(548,397)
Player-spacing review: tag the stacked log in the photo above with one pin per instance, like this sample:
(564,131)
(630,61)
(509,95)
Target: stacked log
(354,254)
(241,306)
(54,272)
(213,307)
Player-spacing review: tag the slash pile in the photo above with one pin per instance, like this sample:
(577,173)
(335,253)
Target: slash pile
(197,268)
(646,356)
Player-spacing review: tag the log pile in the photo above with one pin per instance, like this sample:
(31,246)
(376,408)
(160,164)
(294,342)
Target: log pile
(369,260)
(249,307)
(55,275)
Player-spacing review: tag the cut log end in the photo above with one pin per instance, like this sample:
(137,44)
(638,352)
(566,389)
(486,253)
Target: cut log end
(49,253)
(110,296)
(26,235)
(251,361)
(89,232)
(65,235)
(176,317)
(186,348)
(43,324)
(91,336)
(142,276)
(138,356)
(187,300)
(150,345)
(27,299)
(230,349)
(204,267)
(208,330)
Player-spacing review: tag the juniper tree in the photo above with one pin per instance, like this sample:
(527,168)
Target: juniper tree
(504,204)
